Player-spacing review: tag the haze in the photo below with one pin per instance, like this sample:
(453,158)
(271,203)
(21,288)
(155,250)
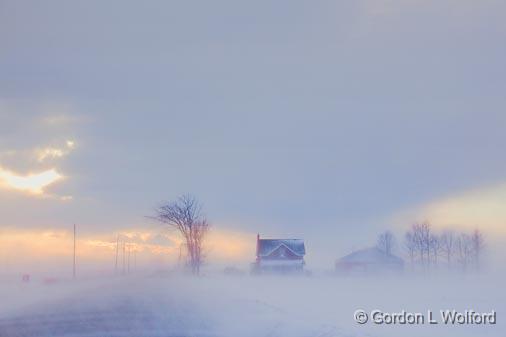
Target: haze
(328,121)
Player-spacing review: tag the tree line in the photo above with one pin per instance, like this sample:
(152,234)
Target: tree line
(428,249)
(424,248)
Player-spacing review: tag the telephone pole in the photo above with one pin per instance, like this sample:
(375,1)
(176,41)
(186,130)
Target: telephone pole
(116,263)
(135,260)
(123,271)
(128,269)
(74,268)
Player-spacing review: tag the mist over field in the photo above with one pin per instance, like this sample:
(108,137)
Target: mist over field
(217,305)
(252,168)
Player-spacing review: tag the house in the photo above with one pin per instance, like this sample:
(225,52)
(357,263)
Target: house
(369,260)
(279,255)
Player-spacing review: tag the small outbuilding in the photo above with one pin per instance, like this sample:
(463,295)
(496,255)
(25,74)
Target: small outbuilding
(369,260)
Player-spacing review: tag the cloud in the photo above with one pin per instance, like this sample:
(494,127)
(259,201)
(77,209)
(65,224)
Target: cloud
(160,240)
(33,243)
(33,183)
(61,117)
(234,246)
(44,248)
(55,152)
(138,240)
(28,163)
(50,153)
(475,208)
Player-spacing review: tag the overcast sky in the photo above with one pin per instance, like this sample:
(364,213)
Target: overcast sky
(288,118)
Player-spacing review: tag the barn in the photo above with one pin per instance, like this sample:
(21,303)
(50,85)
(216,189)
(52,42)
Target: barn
(279,255)
(369,260)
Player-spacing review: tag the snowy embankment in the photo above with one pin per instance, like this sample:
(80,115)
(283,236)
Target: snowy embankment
(223,306)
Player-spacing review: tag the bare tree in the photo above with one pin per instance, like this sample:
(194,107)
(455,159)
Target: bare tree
(386,242)
(477,243)
(421,237)
(435,248)
(185,215)
(418,242)
(425,235)
(464,250)
(410,245)
(447,246)
(426,247)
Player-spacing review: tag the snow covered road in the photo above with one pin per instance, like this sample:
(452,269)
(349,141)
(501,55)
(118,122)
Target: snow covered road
(219,306)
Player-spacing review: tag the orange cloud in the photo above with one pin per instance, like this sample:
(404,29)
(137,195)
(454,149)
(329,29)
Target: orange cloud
(32,183)
(231,246)
(40,247)
(476,208)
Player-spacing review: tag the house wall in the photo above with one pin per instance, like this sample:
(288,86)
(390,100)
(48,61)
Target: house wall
(281,253)
(354,267)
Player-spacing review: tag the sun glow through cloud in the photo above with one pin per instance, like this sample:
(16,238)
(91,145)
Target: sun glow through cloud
(31,183)
(50,247)
(55,152)
(476,208)
(50,153)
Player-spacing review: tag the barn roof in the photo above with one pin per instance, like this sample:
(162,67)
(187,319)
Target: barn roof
(371,255)
(267,246)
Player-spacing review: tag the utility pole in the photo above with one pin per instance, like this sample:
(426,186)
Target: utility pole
(135,260)
(74,269)
(123,272)
(128,270)
(116,263)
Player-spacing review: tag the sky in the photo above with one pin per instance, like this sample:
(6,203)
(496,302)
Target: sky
(329,120)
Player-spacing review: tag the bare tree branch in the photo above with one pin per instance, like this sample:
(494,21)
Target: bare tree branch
(386,242)
(185,215)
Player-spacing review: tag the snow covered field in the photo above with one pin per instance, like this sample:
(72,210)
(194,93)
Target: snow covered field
(234,306)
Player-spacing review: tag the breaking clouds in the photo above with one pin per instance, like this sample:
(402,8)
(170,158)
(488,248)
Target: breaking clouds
(329,117)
